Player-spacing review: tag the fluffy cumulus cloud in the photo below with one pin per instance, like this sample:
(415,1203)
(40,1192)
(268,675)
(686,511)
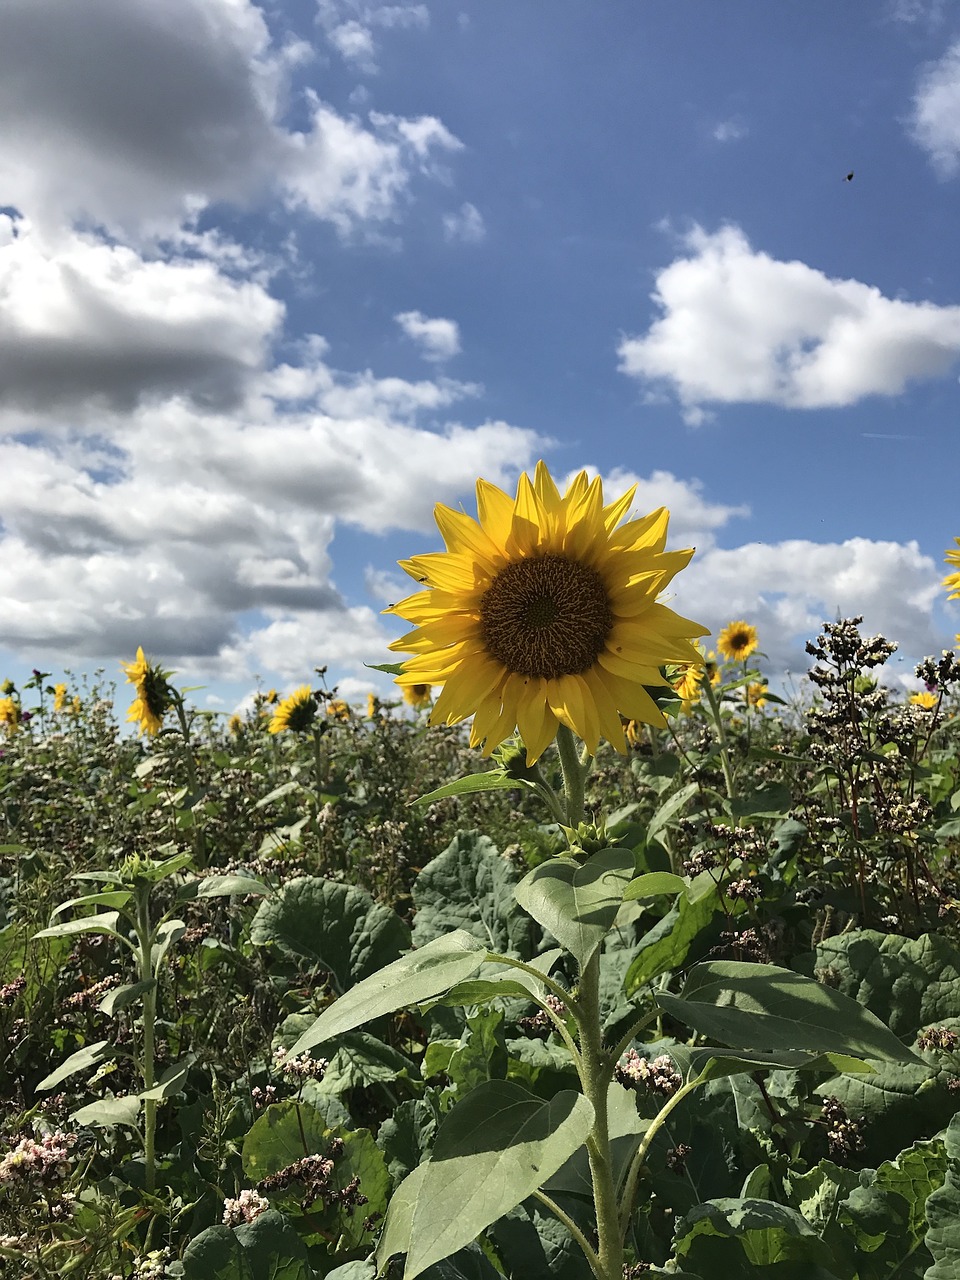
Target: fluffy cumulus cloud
(738,326)
(136,116)
(83,320)
(789,589)
(438,339)
(935,117)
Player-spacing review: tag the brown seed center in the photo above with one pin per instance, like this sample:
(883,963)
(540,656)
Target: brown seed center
(546,617)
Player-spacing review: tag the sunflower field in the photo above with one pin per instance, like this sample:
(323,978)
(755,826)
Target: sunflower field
(589,954)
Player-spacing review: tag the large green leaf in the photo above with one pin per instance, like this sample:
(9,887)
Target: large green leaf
(360,1060)
(287,1131)
(737,1239)
(578,902)
(493,1149)
(332,926)
(761,1006)
(90,1055)
(491,780)
(421,975)
(943,1214)
(266,1249)
(471,886)
(907,982)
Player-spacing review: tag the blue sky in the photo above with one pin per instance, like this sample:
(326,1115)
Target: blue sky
(276,278)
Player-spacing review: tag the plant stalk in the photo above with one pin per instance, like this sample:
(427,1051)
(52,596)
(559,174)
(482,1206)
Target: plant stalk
(148,1049)
(574,775)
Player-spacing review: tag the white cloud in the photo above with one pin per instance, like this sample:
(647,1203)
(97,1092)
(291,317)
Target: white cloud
(83,321)
(789,589)
(731,130)
(437,338)
(935,118)
(466,225)
(186,108)
(349,26)
(739,326)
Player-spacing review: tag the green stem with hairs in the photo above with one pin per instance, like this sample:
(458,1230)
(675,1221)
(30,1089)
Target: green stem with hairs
(144,933)
(574,775)
(721,739)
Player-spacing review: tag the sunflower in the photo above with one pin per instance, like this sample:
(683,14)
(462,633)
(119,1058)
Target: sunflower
(235,724)
(756,694)
(633,732)
(152,698)
(952,580)
(712,668)
(296,712)
(59,697)
(417,695)
(339,710)
(9,714)
(924,699)
(543,612)
(737,641)
(373,706)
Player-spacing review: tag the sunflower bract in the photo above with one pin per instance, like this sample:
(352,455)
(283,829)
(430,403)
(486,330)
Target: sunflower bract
(544,611)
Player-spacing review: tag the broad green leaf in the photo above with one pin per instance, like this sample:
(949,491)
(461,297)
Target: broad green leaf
(625,1127)
(277,1139)
(669,810)
(943,1213)
(330,925)
(107,1112)
(406,1137)
(770,801)
(471,886)
(395,1236)
(500,981)
(391,668)
(492,780)
(578,902)
(761,1006)
(104,922)
(122,997)
(653,884)
(266,1249)
(361,1059)
(737,1238)
(668,943)
(493,1149)
(169,932)
(229,886)
(421,975)
(109,898)
(90,1055)
(171,1082)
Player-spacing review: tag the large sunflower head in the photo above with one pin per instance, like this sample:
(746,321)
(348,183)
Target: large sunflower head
(544,611)
(153,695)
(737,640)
(952,580)
(297,712)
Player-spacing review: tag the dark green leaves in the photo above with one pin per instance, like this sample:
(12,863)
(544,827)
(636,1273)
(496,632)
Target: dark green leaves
(330,925)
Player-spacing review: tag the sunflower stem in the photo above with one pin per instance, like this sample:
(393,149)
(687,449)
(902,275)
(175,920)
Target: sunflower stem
(721,739)
(574,775)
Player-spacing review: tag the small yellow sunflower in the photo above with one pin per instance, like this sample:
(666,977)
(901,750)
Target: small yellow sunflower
(373,706)
(924,699)
(756,694)
(9,715)
(235,724)
(297,712)
(59,697)
(76,705)
(152,698)
(543,612)
(417,695)
(952,580)
(633,732)
(272,697)
(339,710)
(737,641)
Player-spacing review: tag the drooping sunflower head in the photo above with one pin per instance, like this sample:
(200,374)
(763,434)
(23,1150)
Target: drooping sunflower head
(952,580)
(417,695)
(153,693)
(339,710)
(296,712)
(544,611)
(737,641)
(59,697)
(373,706)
